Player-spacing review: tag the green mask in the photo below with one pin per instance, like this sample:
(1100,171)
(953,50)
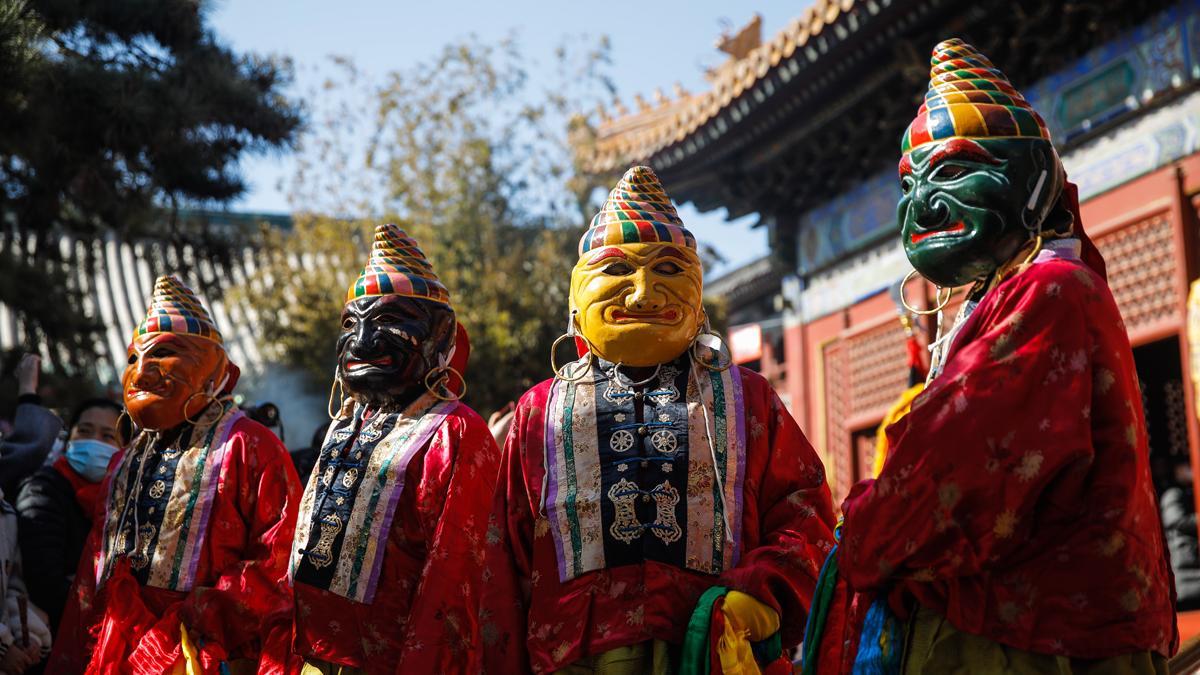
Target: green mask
(970,204)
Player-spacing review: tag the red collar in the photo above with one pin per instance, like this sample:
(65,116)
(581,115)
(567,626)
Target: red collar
(86,492)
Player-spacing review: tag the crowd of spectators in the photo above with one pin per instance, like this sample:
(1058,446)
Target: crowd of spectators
(25,635)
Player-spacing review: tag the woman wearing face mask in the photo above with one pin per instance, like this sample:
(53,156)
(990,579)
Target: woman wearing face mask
(56,504)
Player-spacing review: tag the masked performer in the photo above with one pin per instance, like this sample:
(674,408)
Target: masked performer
(188,566)
(649,474)
(1013,527)
(388,552)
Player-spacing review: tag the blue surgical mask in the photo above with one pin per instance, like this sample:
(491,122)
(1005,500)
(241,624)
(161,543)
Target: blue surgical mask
(89,458)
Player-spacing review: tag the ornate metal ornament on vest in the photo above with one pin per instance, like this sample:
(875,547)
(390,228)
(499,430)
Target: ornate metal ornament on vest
(623,489)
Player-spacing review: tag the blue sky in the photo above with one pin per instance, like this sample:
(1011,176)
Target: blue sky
(655,43)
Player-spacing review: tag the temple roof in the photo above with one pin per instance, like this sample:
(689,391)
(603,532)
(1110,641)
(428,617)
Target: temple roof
(791,122)
(633,137)
(747,283)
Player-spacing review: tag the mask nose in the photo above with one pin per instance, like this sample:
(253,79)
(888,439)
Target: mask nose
(366,337)
(928,211)
(644,297)
(146,375)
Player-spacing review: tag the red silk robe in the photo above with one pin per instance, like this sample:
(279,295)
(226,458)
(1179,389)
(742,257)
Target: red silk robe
(1016,499)
(423,616)
(239,606)
(535,621)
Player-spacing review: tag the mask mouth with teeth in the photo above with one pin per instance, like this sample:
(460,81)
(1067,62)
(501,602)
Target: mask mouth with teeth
(388,345)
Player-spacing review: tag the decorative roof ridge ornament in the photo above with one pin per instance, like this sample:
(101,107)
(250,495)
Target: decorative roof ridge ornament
(739,45)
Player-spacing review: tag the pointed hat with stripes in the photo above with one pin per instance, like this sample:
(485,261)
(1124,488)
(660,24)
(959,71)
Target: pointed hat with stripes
(968,97)
(174,308)
(397,267)
(637,211)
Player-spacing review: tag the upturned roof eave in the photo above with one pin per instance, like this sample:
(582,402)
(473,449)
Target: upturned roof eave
(793,57)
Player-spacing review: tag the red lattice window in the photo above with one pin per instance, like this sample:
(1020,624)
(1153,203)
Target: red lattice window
(878,369)
(864,453)
(1141,272)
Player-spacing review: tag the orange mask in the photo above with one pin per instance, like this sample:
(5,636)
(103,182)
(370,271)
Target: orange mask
(171,378)
(638,304)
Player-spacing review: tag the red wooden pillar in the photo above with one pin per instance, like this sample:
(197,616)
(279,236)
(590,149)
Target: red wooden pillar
(1183,220)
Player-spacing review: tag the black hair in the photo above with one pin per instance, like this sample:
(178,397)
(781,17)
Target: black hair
(1060,221)
(318,436)
(88,405)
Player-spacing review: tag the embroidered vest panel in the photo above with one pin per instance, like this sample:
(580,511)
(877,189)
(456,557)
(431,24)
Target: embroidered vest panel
(646,473)
(160,501)
(348,506)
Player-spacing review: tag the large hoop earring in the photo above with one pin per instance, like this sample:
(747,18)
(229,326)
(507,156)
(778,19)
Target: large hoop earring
(571,333)
(336,385)
(443,372)
(200,415)
(724,348)
(558,372)
(124,421)
(942,302)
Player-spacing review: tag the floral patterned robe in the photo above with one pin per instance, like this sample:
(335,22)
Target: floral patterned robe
(1016,500)
(591,556)
(418,613)
(211,553)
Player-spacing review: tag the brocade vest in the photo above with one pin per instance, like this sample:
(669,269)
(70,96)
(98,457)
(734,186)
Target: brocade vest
(646,471)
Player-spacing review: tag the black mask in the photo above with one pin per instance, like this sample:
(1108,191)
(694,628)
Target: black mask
(388,345)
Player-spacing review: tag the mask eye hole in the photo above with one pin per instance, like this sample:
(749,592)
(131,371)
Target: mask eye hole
(389,317)
(618,269)
(668,268)
(348,323)
(906,184)
(133,358)
(948,172)
(161,352)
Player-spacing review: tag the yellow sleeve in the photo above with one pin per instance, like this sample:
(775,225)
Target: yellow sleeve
(746,620)
(899,409)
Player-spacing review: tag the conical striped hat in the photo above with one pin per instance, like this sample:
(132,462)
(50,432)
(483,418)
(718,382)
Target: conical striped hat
(637,211)
(174,308)
(397,267)
(969,97)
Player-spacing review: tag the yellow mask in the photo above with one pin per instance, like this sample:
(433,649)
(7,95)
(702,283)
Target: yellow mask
(638,304)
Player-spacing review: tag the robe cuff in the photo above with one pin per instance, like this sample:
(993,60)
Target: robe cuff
(157,651)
